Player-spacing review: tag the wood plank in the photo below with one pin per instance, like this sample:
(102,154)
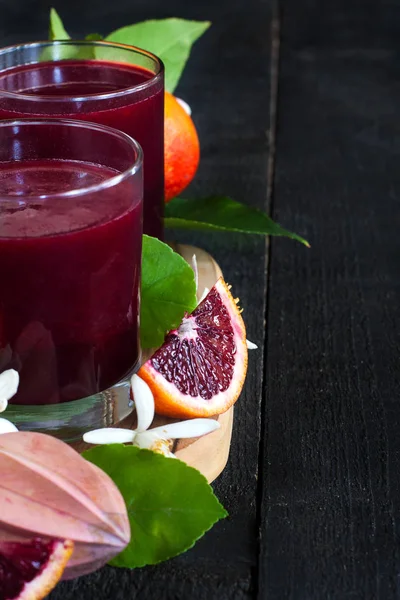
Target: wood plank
(331,483)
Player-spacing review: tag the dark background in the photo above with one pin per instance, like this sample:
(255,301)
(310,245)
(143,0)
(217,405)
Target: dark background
(312,485)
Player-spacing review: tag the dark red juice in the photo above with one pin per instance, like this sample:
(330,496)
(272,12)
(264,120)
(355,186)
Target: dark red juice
(69,273)
(71,88)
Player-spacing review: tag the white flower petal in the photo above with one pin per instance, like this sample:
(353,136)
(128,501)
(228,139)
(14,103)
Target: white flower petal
(185,429)
(7,427)
(196,271)
(147,439)
(251,346)
(109,435)
(151,441)
(184,105)
(144,403)
(9,381)
(206,290)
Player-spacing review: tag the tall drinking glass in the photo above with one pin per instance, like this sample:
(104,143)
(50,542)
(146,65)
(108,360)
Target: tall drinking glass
(111,84)
(70,258)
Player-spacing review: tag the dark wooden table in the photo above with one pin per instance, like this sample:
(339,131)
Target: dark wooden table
(313,482)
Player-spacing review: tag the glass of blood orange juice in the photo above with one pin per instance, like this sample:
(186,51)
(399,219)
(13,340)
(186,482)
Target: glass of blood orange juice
(70,261)
(102,82)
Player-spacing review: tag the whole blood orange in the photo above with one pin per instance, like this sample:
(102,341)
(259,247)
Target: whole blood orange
(200,369)
(181,148)
(30,570)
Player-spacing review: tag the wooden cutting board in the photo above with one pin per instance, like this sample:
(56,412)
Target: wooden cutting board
(209,454)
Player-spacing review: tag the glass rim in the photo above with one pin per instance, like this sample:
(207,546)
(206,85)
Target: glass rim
(102,96)
(112,181)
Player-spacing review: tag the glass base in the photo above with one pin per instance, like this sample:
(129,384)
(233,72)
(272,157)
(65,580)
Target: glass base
(68,421)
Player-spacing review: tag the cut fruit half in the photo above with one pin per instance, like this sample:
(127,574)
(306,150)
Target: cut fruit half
(30,570)
(200,369)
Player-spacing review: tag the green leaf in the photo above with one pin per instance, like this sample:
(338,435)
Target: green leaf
(168,291)
(170,39)
(57,30)
(63,52)
(170,505)
(94,37)
(223,214)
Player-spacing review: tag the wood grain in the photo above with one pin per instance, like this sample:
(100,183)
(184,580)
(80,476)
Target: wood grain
(331,503)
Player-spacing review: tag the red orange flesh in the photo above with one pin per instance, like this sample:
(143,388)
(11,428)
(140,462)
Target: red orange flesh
(30,570)
(200,369)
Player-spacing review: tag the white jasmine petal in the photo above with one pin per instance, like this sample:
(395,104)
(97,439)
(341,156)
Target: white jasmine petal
(146,439)
(109,435)
(206,290)
(185,429)
(184,105)
(9,381)
(7,427)
(152,441)
(196,271)
(251,346)
(144,403)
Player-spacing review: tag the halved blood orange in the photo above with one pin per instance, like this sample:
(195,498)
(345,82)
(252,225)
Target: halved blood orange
(30,570)
(200,369)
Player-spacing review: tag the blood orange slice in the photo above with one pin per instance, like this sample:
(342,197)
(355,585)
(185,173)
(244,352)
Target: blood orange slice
(30,570)
(200,369)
